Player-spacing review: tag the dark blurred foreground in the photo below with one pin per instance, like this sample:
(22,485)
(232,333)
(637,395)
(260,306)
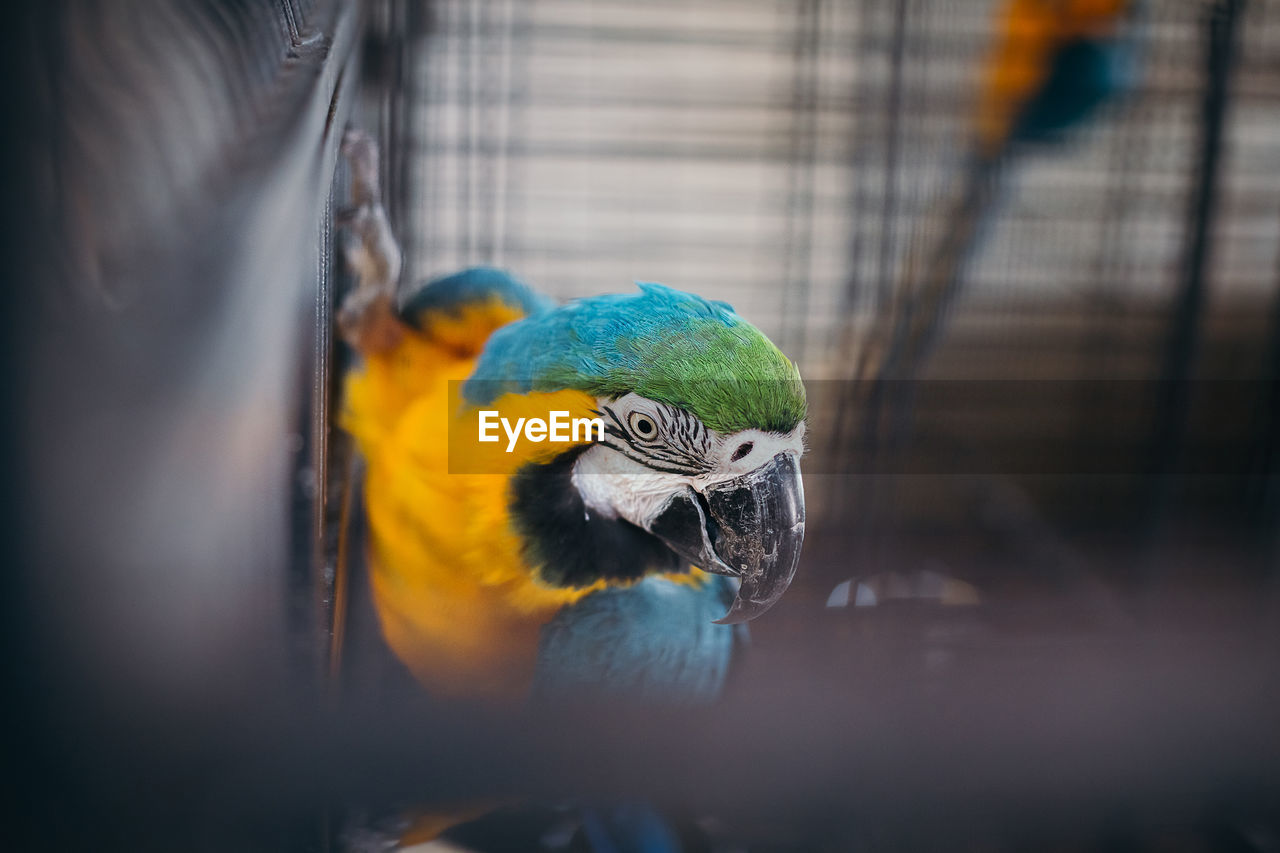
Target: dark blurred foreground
(898,732)
(1039,616)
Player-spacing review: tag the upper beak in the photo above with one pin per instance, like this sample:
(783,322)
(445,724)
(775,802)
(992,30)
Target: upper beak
(751,527)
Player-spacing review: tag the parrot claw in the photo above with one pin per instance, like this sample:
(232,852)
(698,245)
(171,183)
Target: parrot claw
(367,318)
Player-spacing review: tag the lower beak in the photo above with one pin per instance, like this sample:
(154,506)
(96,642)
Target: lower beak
(751,528)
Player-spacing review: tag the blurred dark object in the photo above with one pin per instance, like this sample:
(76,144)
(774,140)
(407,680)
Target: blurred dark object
(172,168)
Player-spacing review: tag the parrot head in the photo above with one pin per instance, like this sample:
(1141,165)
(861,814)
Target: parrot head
(699,461)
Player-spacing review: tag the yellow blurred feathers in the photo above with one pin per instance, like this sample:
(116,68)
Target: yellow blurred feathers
(456,602)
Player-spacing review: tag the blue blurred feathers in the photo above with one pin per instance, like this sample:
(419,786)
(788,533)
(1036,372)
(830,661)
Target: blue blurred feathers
(652,640)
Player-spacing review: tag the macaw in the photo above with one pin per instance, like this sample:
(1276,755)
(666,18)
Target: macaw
(619,560)
(593,563)
(1052,64)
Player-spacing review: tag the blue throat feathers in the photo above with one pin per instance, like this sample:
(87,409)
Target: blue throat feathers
(570,546)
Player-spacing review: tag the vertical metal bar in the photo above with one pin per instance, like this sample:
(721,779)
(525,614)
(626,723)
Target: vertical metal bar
(1267,447)
(877,491)
(291,19)
(326,594)
(1173,403)
(320,420)
(310,617)
(798,242)
(893,141)
(404,109)
(464,147)
(496,77)
(392,132)
(843,427)
(859,98)
(475,141)
(400,23)
(295,20)
(514,151)
(421,139)
(846,428)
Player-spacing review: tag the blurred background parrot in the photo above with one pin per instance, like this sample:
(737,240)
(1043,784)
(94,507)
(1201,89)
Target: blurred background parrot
(1050,67)
(617,564)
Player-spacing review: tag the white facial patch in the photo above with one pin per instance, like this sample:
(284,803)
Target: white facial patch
(745,451)
(617,485)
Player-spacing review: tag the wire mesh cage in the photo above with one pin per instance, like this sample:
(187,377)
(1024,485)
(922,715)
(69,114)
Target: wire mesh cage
(1081,424)
(792,157)
(801,160)
(1040,343)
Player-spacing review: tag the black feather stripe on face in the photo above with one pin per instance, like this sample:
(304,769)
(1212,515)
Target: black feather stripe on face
(568,545)
(680,446)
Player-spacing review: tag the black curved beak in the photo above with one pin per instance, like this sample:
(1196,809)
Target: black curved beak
(751,528)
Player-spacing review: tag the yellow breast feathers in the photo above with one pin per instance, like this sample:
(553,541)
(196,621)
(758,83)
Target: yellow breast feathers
(456,601)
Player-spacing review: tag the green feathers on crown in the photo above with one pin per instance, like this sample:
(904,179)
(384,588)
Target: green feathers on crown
(662,344)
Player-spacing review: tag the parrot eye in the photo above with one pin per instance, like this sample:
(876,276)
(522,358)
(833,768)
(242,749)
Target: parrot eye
(642,425)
